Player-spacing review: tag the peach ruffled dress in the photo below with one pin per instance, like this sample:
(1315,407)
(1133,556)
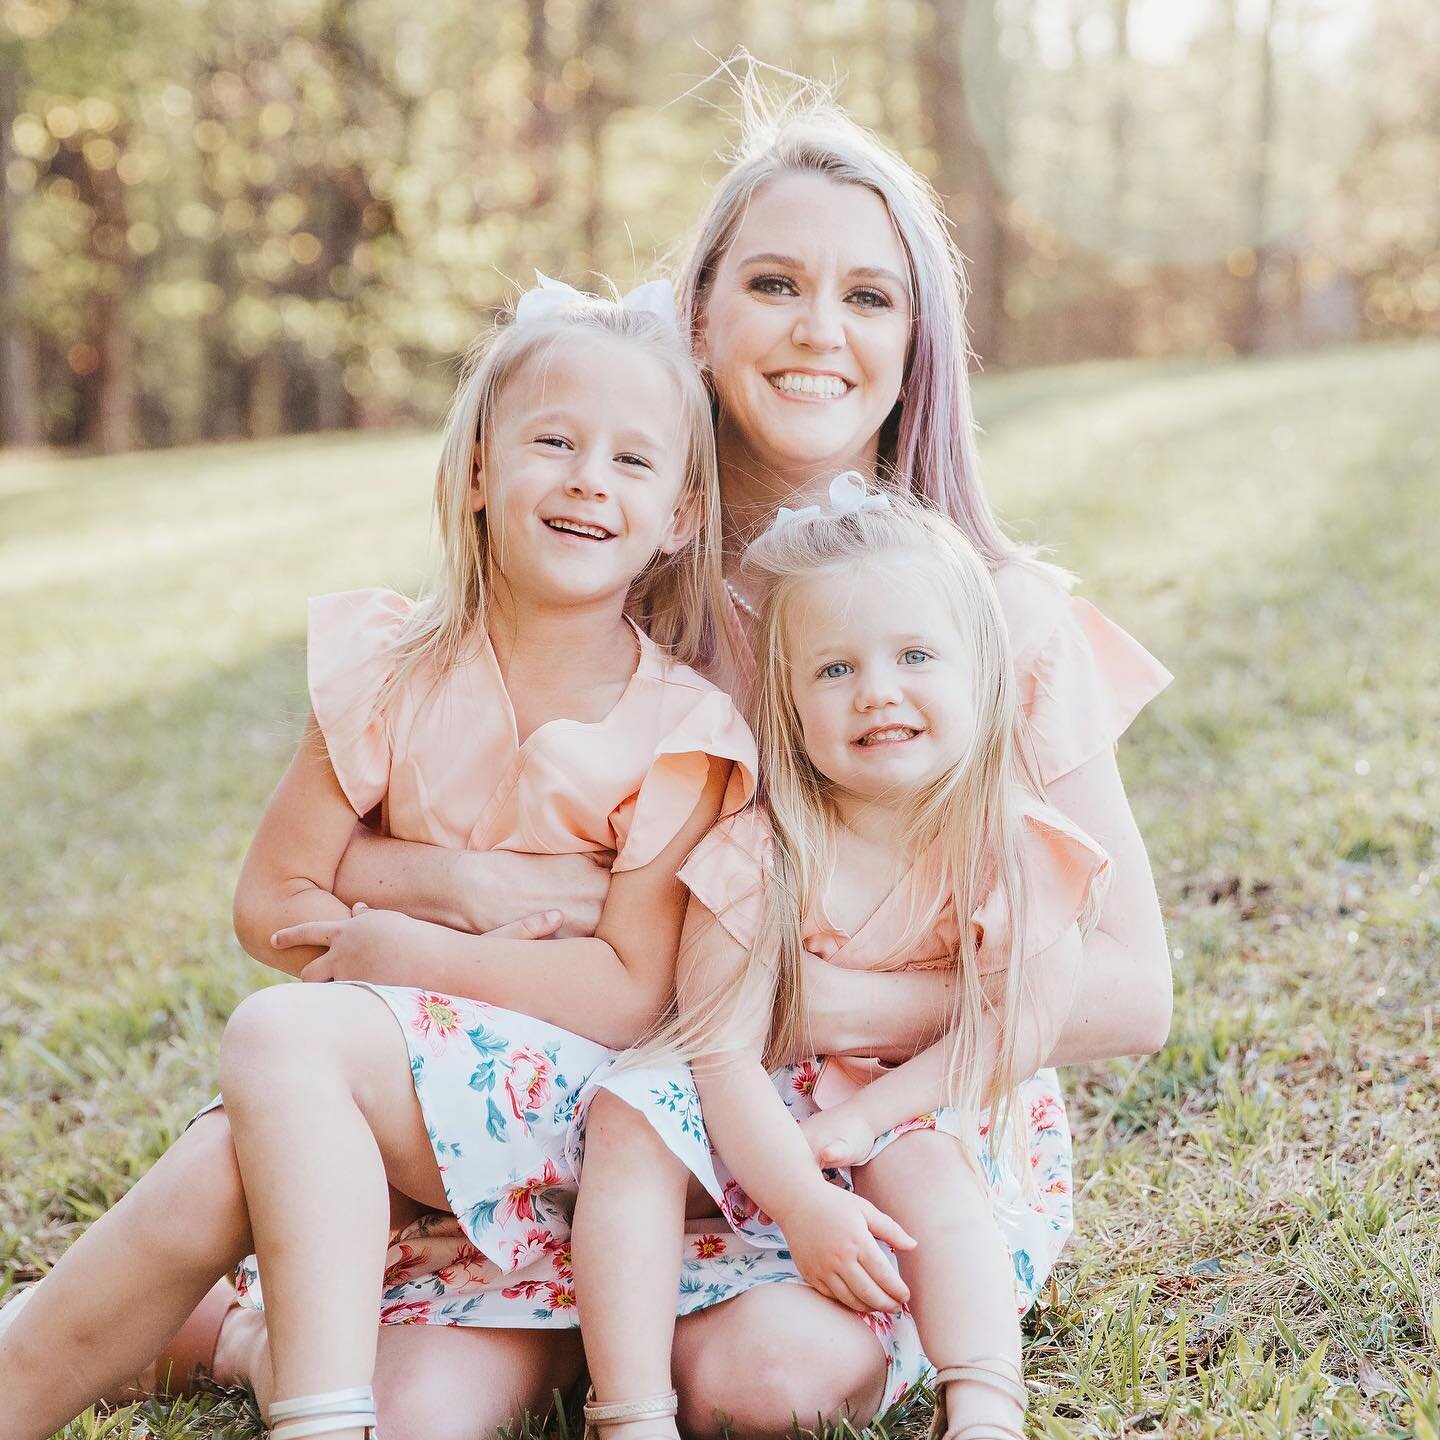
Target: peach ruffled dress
(498,1090)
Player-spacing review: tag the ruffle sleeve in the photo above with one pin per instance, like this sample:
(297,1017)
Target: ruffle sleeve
(711,728)
(351,640)
(725,872)
(1065,876)
(1082,679)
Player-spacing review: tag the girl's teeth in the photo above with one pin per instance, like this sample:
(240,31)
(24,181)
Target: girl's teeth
(899,732)
(827,387)
(593,532)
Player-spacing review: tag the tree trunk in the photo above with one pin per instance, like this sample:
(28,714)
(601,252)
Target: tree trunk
(1252,328)
(19,396)
(963,175)
(111,424)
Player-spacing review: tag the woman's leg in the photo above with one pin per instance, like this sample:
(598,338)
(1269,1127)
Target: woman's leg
(756,1363)
(317,1085)
(626,1245)
(960,1256)
(123,1289)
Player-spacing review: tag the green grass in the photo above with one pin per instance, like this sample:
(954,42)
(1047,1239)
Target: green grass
(1259,1206)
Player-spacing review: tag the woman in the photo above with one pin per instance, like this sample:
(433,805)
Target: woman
(825,298)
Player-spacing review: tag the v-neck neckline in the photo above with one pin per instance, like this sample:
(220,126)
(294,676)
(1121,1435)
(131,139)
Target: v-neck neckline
(644,668)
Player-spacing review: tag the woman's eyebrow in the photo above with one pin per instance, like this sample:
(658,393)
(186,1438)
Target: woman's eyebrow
(789,262)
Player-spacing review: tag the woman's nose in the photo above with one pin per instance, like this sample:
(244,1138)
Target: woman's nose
(820,325)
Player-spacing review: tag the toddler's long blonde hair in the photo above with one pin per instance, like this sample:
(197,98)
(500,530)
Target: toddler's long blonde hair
(676,599)
(965,825)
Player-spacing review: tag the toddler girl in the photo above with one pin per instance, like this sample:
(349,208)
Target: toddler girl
(516,706)
(899,831)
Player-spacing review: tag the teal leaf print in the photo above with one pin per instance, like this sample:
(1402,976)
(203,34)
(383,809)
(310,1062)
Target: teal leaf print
(495,1122)
(683,1102)
(1024,1272)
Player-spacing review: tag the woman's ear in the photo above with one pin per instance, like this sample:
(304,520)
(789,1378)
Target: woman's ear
(477,480)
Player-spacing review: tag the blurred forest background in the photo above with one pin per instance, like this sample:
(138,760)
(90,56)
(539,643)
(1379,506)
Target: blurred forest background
(230,218)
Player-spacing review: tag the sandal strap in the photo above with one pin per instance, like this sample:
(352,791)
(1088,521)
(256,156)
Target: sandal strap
(985,1430)
(992,1370)
(352,1409)
(614,1412)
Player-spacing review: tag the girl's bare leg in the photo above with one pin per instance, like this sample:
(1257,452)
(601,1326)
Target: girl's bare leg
(627,1239)
(124,1288)
(758,1362)
(962,1284)
(317,1086)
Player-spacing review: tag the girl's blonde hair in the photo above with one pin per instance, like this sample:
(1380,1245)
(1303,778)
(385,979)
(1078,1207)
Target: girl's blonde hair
(676,599)
(965,826)
(927,444)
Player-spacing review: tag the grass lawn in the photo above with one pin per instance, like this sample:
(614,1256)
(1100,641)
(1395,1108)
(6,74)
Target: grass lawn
(1258,1251)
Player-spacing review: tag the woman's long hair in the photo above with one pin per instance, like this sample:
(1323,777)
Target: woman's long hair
(794,126)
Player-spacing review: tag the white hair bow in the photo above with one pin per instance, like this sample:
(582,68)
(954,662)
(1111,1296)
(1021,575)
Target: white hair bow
(553,297)
(848,496)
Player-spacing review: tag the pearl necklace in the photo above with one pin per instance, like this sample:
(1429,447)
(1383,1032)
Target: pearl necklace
(741,601)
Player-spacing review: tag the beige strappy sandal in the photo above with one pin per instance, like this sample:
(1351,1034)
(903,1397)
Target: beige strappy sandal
(307,1415)
(998,1374)
(617,1412)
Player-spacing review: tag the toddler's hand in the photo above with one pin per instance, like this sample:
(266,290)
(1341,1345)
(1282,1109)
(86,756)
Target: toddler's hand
(373,945)
(834,1242)
(841,1136)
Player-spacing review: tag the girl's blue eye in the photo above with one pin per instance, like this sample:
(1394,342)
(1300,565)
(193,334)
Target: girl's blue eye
(557,441)
(635,460)
(836,670)
(914,657)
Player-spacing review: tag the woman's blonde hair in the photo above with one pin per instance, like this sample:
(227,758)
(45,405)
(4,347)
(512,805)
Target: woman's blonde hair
(927,444)
(676,598)
(965,825)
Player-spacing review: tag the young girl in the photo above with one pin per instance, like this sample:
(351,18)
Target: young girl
(902,832)
(516,706)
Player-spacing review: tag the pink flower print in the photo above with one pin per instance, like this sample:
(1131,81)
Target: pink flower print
(436,1019)
(707,1247)
(1045,1113)
(466,1264)
(538,1241)
(405,1312)
(881,1323)
(920,1122)
(520,1202)
(805,1077)
(562,1297)
(738,1207)
(400,1268)
(562,1259)
(527,1081)
(1058,1186)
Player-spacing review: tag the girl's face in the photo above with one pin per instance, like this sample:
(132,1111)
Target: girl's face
(586,466)
(807,326)
(881,677)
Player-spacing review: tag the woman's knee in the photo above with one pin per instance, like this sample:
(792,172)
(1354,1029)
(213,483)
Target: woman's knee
(751,1380)
(279,1037)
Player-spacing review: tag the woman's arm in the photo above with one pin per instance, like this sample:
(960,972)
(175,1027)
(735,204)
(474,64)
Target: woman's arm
(611,988)
(1123,997)
(845,1133)
(1123,993)
(288,877)
(474,890)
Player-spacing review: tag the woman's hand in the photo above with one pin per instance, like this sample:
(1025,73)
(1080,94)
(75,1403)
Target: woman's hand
(841,1136)
(834,1237)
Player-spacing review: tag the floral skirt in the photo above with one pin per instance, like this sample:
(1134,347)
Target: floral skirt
(1034,1211)
(505,1098)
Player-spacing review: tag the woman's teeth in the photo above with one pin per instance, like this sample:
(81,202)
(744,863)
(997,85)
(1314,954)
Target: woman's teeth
(574,527)
(824,387)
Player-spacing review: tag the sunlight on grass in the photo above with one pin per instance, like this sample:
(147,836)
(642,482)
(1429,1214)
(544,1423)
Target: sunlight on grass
(1259,1210)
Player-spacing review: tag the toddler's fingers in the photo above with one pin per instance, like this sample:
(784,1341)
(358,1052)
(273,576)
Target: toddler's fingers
(882,1227)
(841,1291)
(869,1294)
(886,1276)
(540,926)
(319,970)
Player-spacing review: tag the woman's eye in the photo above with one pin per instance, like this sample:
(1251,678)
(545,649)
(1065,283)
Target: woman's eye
(639,461)
(835,671)
(870,299)
(914,657)
(773,285)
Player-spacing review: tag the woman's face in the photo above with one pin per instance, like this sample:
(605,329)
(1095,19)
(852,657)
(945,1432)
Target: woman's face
(806,328)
